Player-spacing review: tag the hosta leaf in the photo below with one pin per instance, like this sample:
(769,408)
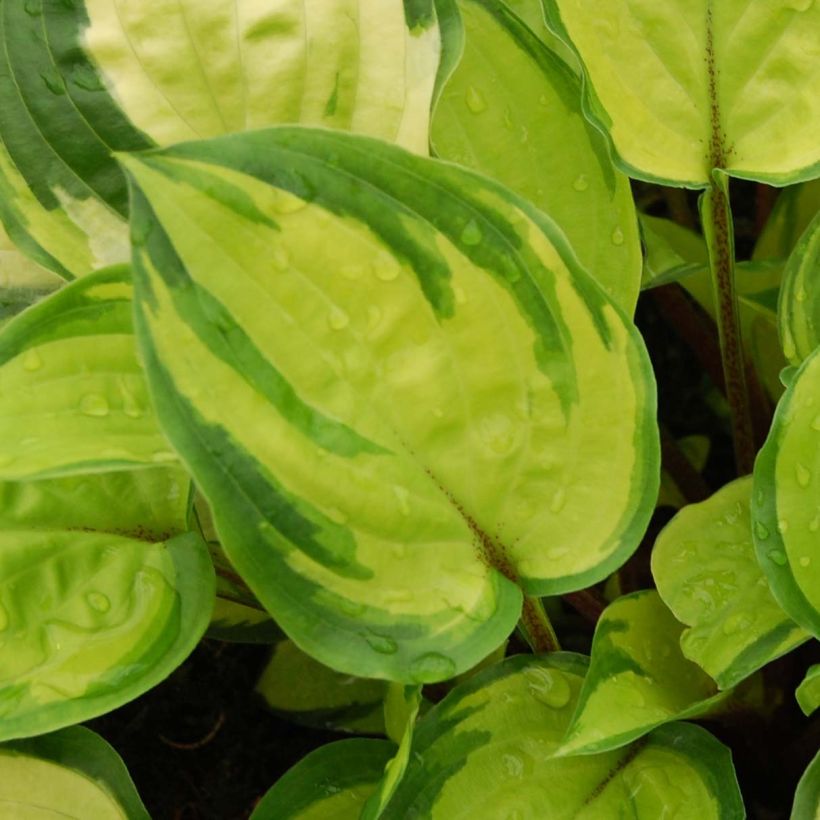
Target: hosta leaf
(237,623)
(532,13)
(807,797)
(672,251)
(309,693)
(799,306)
(79,80)
(89,621)
(72,394)
(487,751)
(72,774)
(512,110)
(149,504)
(690,85)
(399,427)
(705,566)
(331,783)
(793,210)
(786,499)
(808,693)
(638,678)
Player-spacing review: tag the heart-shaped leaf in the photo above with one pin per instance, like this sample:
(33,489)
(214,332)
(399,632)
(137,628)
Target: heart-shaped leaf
(332,782)
(705,566)
(808,693)
(90,620)
(487,750)
(72,774)
(399,428)
(686,86)
(79,80)
(512,110)
(72,393)
(799,308)
(786,499)
(638,678)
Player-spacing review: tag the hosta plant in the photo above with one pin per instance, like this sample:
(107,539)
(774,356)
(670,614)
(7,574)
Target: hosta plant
(318,332)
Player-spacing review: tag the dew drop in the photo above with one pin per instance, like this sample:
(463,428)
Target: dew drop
(814,524)
(800,295)
(32,361)
(403,498)
(54,83)
(802,474)
(94,404)
(761,530)
(4,619)
(815,425)
(353,609)
(130,406)
(34,7)
(98,601)
(84,76)
(782,525)
(337,516)
(338,319)
(513,765)
(475,100)
(383,644)
(432,667)
(804,561)
(471,234)
(559,500)
(548,686)
(581,183)
(617,237)
(387,272)
(777,557)
(737,622)
(544,100)
(557,553)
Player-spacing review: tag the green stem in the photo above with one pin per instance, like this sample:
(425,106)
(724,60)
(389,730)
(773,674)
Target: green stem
(717,226)
(537,629)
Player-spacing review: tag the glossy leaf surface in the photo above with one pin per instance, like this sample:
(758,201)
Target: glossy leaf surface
(786,499)
(512,110)
(808,693)
(82,79)
(307,692)
(684,87)
(638,678)
(487,751)
(72,394)
(799,306)
(807,797)
(706,570)
(331,783)
(72,774)
(429,380)
(90,620)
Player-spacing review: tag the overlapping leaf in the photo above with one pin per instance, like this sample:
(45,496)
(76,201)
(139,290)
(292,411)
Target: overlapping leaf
(400,426)
(684,87)
(786,499)
(793,210)
(799,307)
(72,774)
(638,678)
(487,750)
(73,397)
(807,797)
(512,110)
(808,693)
(706,570)
(79,80)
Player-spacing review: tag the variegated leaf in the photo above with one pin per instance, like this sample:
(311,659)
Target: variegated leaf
(79,80)
(90,620)
(399,427)
(71,774)
(512,110)
(638,678)
(705,566)
(686,86)
(786,499)
(72,394)
(487,750)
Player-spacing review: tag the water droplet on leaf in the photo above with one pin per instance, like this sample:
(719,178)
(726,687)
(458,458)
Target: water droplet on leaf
(802,474)
(432,667)
(475,100)
(777,557)
(617,237)
(338,319)
(471,234)
(761,530)
(98,601)
(581,183)
(94,404)
(548,686)
(383,644)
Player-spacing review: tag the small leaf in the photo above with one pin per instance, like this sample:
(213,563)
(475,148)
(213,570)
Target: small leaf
(72,393)
(331,782)
(672,252)
(687,86)
(705,566)
(487,750)
(307,692)
(799,307)
(807,797)
(808,693)
(390,424)
(793,210)
(89,621)
(72,774)
(638,678)
(512,111)
(786,499)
